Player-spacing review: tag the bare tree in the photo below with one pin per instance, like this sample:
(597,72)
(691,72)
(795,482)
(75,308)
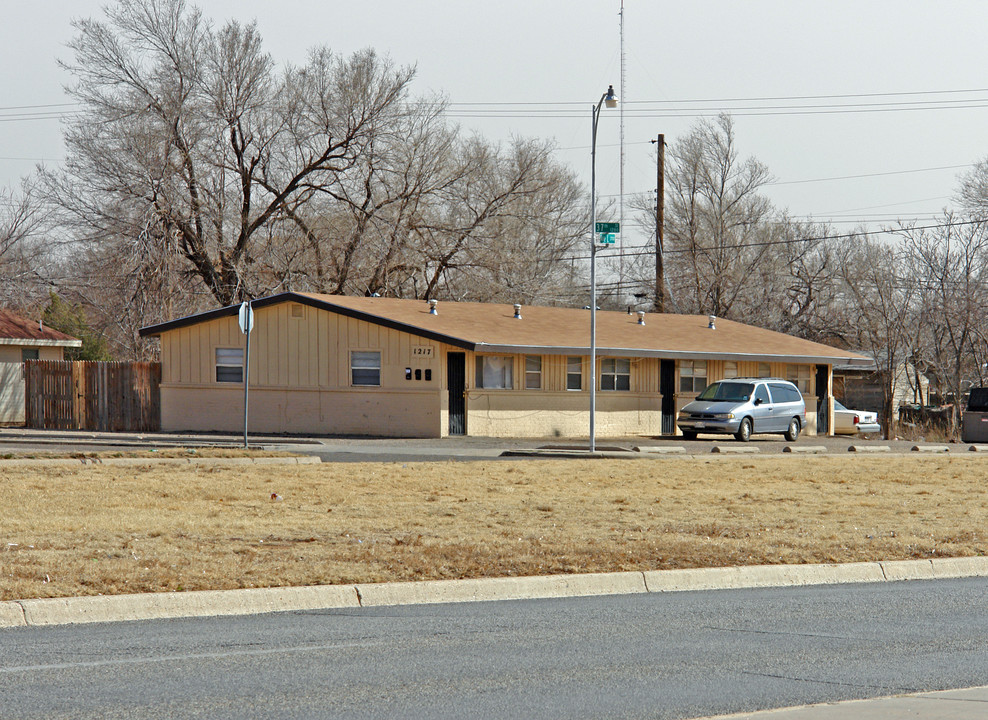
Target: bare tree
(194,158)
(887,317)
(715,216)
(718,228)
(27,252)
(193,126)
(973,191)
(948,265)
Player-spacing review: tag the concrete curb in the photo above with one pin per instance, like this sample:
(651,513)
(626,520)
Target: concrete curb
(206,603)
(584,454)
(869,448)
(754,576)
(735,449)
(508,588)
(660,449)
(11,615)
(184,462)
(978,448)
(805,449)
(157,606)
(930,448)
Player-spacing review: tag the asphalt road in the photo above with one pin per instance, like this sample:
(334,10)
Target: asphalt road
(19,441)
(678,655)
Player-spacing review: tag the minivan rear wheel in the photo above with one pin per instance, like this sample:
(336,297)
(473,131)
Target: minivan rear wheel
(744,430)
(793,432)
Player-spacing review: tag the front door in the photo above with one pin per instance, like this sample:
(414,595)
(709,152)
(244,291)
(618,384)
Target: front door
(667,387)
(456,377)
(822,373)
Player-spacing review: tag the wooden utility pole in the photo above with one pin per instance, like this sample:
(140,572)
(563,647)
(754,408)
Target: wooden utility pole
(660,199)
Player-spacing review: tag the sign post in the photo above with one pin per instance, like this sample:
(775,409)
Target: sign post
(246,325)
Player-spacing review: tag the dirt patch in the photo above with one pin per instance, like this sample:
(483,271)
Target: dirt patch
(68,531)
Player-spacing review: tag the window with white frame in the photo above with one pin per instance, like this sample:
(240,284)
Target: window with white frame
(764,370)
(574,373)
(533,372)
(365,367)
(799,375)
(692,376)
(229,365)
(494,372)
(730,369)
(615,374)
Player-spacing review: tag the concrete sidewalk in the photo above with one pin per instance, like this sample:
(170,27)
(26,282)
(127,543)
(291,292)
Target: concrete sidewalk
(967,704)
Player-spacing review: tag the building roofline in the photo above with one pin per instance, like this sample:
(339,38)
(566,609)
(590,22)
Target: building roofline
(669,354)
(232,310)
(39,342)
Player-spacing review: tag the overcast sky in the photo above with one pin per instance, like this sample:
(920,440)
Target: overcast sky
(819,90)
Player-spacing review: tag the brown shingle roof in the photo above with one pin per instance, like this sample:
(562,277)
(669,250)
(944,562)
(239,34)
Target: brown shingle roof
(18,330)
(493,328)
(554,328)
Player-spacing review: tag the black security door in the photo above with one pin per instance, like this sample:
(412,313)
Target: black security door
(456,384)
(822,373)
(667,386)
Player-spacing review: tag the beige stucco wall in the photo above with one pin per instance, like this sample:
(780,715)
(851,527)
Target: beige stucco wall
(317,412)
(562,414)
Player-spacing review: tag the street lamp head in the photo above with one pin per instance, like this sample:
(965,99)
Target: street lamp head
(610,99)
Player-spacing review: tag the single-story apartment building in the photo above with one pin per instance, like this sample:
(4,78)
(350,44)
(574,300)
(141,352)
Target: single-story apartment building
(23,339)
(332,364)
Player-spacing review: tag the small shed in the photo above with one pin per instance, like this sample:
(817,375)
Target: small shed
(23,339)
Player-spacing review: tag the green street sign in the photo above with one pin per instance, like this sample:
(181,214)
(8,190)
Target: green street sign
(607,238)
(606,227)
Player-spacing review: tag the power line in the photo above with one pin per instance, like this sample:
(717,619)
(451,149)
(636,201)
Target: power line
(35,107)
(650,249)
(867,175)
(755,99)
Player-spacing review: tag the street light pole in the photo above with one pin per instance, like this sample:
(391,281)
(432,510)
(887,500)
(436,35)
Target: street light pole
(610,100)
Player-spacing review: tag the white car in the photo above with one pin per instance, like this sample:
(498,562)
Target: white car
(854,422)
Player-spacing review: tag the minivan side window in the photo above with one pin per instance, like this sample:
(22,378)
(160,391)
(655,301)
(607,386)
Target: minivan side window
(761,393)
(784,393)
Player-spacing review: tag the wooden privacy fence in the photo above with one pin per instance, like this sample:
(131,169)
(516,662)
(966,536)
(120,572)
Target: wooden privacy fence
(102,396)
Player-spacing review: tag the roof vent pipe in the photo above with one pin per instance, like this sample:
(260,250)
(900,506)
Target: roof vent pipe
(711,322)
(517,311)
(641,317)
(432,307)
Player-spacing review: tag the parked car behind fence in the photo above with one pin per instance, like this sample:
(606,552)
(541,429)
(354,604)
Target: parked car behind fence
(974,428)
(854,422)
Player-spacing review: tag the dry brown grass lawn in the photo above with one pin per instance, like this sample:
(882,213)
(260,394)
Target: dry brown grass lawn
(88,530)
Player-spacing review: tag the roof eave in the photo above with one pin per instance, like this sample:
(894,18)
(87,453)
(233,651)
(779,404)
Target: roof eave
(41,342)
(230,310)
(671,354)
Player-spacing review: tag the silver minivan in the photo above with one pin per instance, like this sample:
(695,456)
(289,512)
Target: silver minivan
(742,406)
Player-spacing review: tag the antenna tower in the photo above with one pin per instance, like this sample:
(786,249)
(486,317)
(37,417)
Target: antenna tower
(621,190)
